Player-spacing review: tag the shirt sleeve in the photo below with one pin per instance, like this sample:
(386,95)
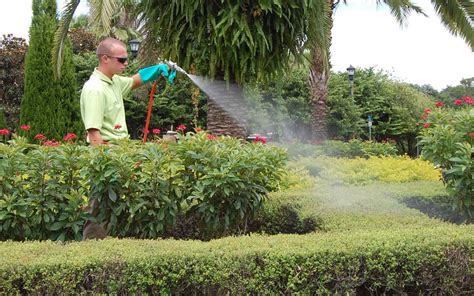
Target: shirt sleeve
(92,108)
(126,84)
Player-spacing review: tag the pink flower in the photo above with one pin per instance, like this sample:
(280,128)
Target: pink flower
(70,137)
(211,137)
(439,104)
(181,128)
(117,126)
(425,116)
(4,132)
(427,111)
(471,134)
(25,127)
(426,125)
(40,137)
(156,131)
(51,143)
(468,100)
(260,139)
(458,102)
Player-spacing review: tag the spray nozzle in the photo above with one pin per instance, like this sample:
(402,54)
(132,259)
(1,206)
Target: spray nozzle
(173,65)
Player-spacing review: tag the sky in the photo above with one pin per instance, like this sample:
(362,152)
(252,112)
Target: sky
(364,35)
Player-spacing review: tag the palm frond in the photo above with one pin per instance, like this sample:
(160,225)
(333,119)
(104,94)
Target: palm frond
(102,11)
(458,17)
(60,36)
(401,9)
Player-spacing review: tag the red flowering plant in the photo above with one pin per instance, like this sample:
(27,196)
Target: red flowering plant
(181,128)
(447,141)
(156,133)
(4,133)
(69,137)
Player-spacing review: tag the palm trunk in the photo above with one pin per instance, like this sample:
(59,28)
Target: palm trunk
(226,109)
(318,84)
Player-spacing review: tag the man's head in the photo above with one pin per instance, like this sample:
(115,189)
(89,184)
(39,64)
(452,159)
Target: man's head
(112,55)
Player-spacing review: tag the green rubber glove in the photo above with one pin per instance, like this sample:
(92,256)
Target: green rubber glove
(172,76)
(153,72)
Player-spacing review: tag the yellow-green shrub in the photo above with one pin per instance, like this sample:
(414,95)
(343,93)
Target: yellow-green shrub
(362,171)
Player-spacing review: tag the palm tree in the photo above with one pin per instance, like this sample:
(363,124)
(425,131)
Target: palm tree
(250,39)
(456,15)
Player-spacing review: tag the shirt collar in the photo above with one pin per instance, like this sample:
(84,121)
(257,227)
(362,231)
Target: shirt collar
(101,76)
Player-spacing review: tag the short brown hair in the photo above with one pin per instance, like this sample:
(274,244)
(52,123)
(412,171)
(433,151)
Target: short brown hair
(106,45)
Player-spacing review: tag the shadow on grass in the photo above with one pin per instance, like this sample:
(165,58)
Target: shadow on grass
(439,207)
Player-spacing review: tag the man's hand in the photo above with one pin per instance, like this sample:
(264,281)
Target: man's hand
(94,137)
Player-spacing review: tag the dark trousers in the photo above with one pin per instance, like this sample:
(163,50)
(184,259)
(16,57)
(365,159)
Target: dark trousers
(91,229)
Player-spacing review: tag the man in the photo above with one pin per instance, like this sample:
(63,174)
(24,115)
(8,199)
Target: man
(102,108)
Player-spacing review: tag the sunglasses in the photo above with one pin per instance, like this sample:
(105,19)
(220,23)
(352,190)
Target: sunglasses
(119,59)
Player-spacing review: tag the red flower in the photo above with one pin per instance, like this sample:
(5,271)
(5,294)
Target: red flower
(471,134)
(40,137)
(211,137)
(4,132)
(260,139)
(51,143)
(426,125)
(427,111)
(156,131)
(70,137)
(198,130)
(181,128)
(25,127)
(117,126)
(458,102)
(425,116)
(439,104)
(468,100)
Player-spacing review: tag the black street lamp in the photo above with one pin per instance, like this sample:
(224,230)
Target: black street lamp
(351,72)
(134,47)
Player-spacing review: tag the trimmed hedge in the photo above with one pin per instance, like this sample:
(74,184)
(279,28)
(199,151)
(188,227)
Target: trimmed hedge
(435,260)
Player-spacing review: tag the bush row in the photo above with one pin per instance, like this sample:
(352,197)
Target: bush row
(360,171)
(351,149)
(141,189)
(405,261)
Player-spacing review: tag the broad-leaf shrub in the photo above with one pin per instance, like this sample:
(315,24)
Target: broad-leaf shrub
(140,188)
(448,141)
(227,180)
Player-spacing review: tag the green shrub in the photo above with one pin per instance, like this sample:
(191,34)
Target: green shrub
(448,141)
(356,148)
(361,171)
(140,188)
(410,261)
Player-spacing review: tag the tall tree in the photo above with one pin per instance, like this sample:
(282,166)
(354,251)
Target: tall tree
(456,15)
(256,39)
(49,106)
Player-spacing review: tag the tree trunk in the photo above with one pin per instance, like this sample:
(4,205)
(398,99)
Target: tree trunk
(226,108)
(318,84)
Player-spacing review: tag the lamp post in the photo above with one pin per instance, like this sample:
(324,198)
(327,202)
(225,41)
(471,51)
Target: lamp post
(134,47)
(351,73)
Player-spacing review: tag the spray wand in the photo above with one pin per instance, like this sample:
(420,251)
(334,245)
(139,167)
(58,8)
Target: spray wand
(173,68)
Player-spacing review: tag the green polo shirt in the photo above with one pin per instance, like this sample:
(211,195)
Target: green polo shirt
(102,104)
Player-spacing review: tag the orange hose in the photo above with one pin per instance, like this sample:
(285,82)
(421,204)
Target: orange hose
(148,116)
